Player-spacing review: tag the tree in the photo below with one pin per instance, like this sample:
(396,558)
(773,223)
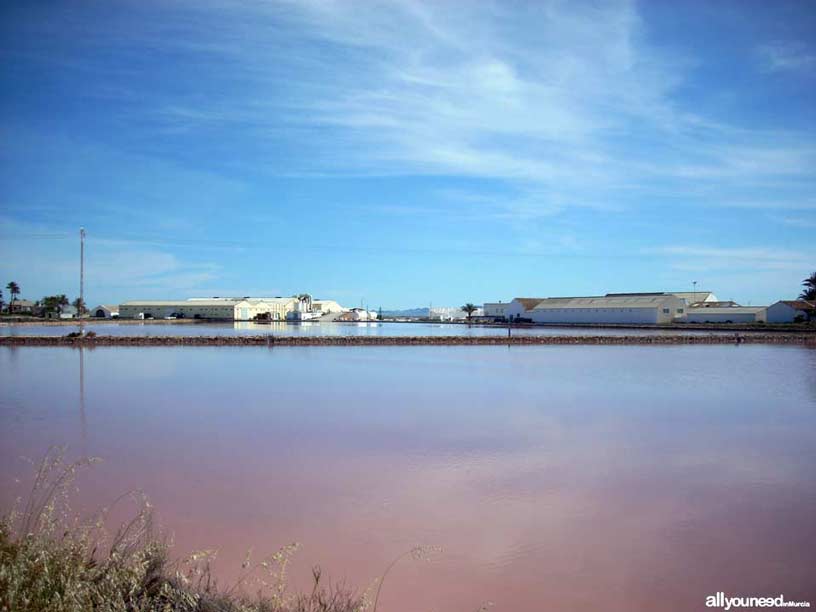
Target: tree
(52,303)
(810,288)
(1,301)
(14,291)
(469,310)
(80,306)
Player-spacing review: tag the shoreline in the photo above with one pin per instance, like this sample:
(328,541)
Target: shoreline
(271,341)
(769,328)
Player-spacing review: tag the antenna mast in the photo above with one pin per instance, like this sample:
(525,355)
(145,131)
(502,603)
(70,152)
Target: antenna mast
(81,275)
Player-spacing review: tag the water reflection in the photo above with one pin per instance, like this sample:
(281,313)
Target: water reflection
(316,328)
(604,478)
(82,419)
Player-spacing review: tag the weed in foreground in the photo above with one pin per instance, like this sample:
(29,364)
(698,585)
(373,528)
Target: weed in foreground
(52,562)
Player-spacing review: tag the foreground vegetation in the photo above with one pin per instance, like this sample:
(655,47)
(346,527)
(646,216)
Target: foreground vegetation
(52,562)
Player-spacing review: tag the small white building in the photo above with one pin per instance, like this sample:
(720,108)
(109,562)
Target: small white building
(790,311)
(226,309)
(68,312)
(106,311)
(623,309)
(452,313)
(495,310)
(520,308)
(733,314)
(695,297)
(326,307)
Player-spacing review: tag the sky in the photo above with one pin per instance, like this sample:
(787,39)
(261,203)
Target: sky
(401,153)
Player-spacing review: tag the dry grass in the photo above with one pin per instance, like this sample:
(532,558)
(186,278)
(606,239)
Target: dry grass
(52,562)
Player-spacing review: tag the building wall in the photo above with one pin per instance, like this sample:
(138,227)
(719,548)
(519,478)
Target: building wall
(325,306)
(190,310)
(615,310)
(782,313)
(496,310)
(650,315)
(515,309)
(704,315)
(278,309)
(244,310)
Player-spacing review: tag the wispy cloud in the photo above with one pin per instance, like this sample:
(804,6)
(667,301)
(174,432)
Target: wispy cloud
(696,257)
(798,222)
(117,268)
(565,101)
(787,56)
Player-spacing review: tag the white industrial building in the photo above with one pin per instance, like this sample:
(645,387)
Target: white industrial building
(519,308)
(632,309)
(691,297)
(357,314)
(447,313)
(600,309)
(790,311)
(326,307)
(229,309)
(730,314)
(106,311)
(495,310)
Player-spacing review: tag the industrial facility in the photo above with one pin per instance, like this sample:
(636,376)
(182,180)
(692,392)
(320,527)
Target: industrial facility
(641,308)
(295,308)
(648,309)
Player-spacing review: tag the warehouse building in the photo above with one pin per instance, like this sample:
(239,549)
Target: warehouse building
(628,309)
(227,309)
(696,297)
(277,307)
(326,306)
(791,311)
(520,308)
(495,310)
(106,311)
(732,314)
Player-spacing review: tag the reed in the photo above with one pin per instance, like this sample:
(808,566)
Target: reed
(53,561)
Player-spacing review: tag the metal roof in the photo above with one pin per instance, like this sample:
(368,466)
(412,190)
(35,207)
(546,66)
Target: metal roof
(798,304)
(273,300)
(629,301)
(689,296)
(198,302)
(731,310)
(528,303)
(695,296)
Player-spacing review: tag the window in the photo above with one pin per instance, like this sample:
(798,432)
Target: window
(665,311)
(679,311)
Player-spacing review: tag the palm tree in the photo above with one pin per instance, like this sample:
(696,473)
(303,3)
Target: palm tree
(1,301)
(79,305)
(810,288)
(469,310)
(14,291)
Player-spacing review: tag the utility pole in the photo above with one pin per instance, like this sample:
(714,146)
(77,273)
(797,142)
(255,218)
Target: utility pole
(81,276)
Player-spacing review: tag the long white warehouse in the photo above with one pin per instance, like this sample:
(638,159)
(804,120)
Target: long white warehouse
(732,314)
(215,308)
(644,309)
(609,308)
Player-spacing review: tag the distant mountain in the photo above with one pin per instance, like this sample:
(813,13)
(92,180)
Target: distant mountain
(410,312)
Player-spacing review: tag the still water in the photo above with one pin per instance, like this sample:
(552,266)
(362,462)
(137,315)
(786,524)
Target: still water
(553,478)
(312,328)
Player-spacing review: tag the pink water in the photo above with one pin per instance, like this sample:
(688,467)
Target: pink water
(553,478)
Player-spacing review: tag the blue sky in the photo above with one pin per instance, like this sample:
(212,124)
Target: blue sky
(403,153)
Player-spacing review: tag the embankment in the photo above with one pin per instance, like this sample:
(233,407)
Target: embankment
(269,340)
